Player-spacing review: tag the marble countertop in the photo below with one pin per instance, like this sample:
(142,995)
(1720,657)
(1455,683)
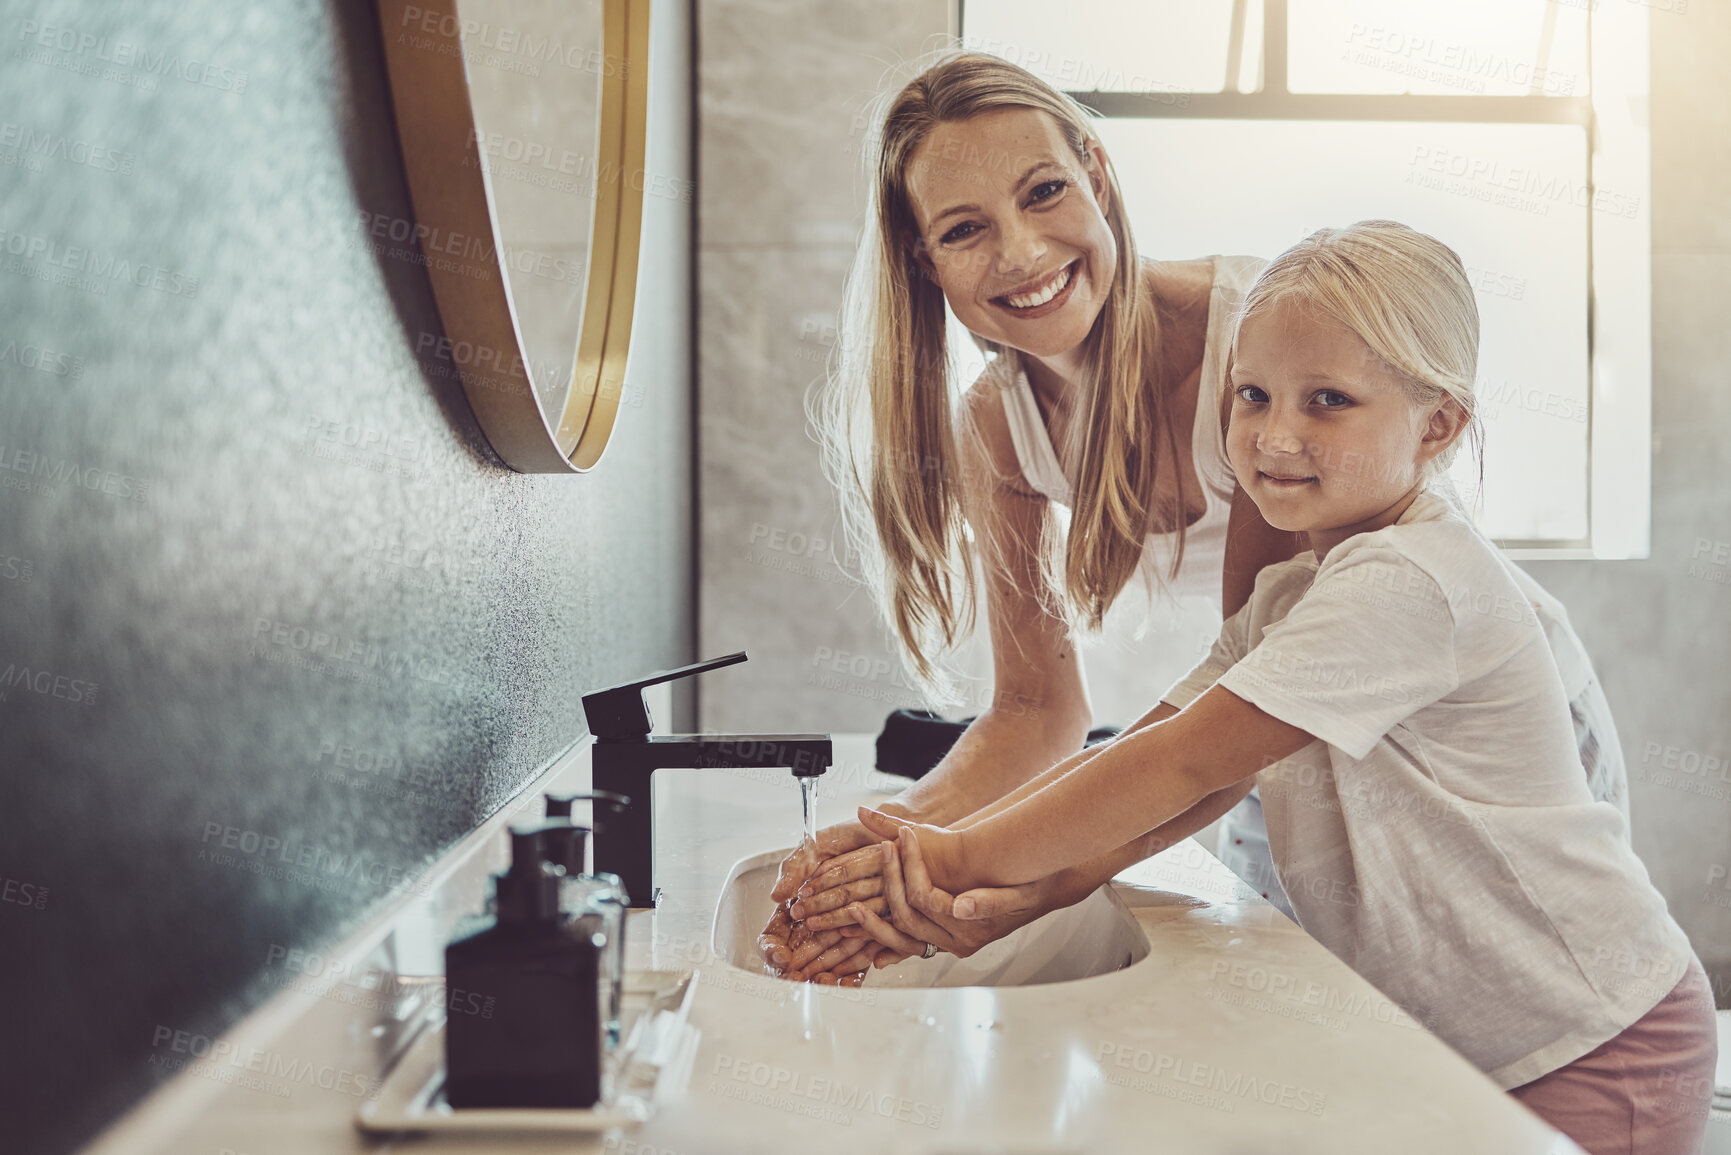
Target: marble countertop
(1237,1034)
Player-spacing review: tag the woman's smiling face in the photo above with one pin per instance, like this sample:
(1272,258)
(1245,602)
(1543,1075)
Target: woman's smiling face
(1012,228)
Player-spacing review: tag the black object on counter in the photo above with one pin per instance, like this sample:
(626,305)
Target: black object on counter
(626,755)
(604,805)
(523,1024)
(914,741)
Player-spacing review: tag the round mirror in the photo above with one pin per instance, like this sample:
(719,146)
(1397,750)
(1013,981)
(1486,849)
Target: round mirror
(523,128)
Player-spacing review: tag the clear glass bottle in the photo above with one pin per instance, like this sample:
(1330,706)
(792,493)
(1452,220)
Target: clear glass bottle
(601,895)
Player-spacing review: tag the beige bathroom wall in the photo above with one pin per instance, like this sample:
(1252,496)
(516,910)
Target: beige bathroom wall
(1659,630)
(782,89)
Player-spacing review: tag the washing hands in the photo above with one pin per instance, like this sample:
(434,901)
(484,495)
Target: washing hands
(817,952)
(870,894)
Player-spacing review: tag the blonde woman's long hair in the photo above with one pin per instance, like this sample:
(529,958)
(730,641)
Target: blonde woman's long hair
(890,422)
(1406,295)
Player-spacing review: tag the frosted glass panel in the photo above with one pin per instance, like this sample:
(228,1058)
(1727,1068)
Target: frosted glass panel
(1107,45)
(1470,47)
(1509,198)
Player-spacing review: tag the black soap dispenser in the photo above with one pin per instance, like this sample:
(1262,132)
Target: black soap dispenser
(537,972)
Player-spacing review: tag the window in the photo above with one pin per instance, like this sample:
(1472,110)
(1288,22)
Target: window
(1514,130)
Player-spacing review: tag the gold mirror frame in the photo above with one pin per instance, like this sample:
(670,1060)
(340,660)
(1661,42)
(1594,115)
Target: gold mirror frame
(448,186)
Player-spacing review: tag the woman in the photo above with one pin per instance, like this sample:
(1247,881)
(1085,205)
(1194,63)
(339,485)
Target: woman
(991,193)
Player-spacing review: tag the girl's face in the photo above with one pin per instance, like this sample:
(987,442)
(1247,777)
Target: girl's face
(1323,436)
(1012,228)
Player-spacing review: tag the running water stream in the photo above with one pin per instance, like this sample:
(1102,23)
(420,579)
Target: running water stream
(808,803)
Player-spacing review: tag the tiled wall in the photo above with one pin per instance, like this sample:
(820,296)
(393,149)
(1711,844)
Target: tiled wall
(782,88)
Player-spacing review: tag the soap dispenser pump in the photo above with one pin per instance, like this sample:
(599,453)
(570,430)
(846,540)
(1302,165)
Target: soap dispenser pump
(537,973)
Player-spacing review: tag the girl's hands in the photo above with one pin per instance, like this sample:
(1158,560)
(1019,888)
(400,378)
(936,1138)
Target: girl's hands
(856,876)
(819,952)
(940,849)
(832,841)
(823,952)
(920,912)
(859,903)
(773,944)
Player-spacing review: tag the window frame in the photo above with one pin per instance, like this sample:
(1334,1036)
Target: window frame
(1614,116)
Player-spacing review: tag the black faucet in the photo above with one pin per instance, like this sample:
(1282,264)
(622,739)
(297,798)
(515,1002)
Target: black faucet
(626,756)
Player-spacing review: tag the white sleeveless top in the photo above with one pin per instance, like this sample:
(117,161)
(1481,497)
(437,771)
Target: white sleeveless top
(1205,539)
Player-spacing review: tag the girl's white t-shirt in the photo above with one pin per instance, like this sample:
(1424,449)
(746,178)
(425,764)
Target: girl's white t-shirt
(1439,836)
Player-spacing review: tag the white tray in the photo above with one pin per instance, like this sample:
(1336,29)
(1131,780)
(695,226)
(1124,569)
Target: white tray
(652,1064)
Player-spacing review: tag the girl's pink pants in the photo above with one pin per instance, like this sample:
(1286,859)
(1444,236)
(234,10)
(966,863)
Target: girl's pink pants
(1647,1090)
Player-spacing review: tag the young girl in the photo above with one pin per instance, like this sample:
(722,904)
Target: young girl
(1392,693)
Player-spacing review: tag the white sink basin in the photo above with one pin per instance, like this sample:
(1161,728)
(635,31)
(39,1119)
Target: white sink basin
(1096,936)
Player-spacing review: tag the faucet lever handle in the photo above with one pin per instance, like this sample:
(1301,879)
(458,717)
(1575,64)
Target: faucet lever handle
(620,711)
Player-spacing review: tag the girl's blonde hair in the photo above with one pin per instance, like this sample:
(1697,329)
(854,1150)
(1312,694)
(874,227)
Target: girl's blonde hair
(889,417)
(1404,293)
